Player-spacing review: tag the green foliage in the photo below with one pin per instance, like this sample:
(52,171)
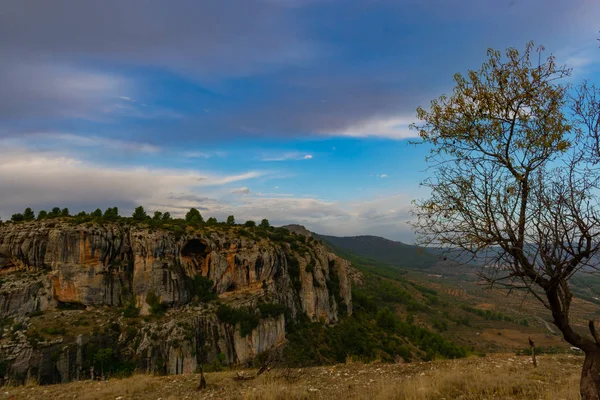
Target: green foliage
(204,288)
(130,310)
(271,310)
(193,217)
(230,220)
(139,214)
(490,315)
(111,214)
(294,270)
(166,216)
(65,212)
(56,212)
(310,267)
(97,213)
(17,217)
(380,250)
(245,316)
(211,221)
(156,306)
(250,224)
(360,336)
(51,330)
(43,214)
(28,214)
(108,362)
(265,223)
(217,365)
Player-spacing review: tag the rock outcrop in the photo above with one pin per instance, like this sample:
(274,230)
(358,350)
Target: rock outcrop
(106,267)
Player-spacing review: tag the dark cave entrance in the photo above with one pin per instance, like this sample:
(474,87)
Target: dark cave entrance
(194,248)
(193,254)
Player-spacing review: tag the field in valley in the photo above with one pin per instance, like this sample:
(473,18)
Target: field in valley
(500,376)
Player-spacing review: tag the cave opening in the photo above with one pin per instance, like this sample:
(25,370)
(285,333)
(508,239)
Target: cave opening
(194,248)
(193,254)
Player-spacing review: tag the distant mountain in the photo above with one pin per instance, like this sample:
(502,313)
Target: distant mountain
(383,250)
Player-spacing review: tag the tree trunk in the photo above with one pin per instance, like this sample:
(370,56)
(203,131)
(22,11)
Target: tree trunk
(590,376)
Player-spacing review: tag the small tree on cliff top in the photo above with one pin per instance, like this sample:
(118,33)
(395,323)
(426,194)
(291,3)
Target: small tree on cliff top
(139,214)
(515,163)
(193,216)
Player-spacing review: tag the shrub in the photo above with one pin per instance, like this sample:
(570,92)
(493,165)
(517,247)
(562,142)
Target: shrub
(203,288)
(245,316)
(271,310)
(156,307)
(17,217)
(130,310)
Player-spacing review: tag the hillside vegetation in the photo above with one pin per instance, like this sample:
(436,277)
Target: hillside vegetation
(448,300)
(384,250)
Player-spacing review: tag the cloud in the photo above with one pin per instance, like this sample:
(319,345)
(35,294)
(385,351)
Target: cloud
(391,128)
(241,191)
(50,90)
(239,37)
(287,157)
(72,140)
(383,176)
(262,68)
(43,180)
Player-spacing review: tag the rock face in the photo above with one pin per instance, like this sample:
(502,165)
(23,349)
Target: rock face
(53,265)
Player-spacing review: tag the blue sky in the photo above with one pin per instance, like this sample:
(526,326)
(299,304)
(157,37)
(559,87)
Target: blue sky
(293,110)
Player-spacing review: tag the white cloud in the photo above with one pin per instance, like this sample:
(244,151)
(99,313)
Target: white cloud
(287,157)
(43,180)
(386,127)
(243,191)
(383,176)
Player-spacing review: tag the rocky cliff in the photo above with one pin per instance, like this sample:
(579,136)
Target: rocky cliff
(70,291)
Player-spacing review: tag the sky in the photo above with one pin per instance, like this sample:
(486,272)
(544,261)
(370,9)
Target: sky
(291,110)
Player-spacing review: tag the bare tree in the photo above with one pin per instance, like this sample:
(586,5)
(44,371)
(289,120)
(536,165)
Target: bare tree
(515,178)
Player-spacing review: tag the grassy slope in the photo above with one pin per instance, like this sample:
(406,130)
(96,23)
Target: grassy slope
(498,377)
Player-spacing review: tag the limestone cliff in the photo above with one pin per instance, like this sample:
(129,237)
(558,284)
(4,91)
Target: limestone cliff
(86,268)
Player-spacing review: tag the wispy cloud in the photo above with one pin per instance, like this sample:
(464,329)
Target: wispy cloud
(241,191)
(204,154)
(71,140)
(391,128)
(287,157)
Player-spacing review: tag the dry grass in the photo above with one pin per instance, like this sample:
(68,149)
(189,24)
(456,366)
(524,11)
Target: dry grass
(494,377)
